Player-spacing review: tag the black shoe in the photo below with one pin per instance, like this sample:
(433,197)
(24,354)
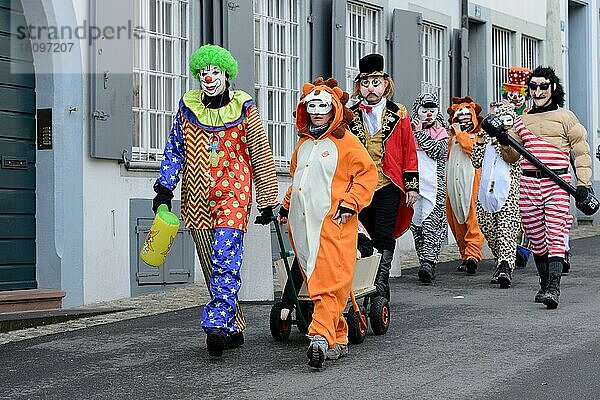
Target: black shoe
(426,273)
(494,280)
(539,296)
(504,275)
(234,341)
(215,342)
(471,266)
(462,267)
(551,299)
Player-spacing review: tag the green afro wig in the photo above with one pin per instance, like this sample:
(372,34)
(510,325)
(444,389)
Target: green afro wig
(210,54)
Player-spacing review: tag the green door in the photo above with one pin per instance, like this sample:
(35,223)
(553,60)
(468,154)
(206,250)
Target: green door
(17,154)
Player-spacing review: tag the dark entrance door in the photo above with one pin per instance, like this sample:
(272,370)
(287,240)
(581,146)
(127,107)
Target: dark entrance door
(17,153)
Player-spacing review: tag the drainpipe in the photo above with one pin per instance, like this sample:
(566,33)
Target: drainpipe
(553,44)
(464,45)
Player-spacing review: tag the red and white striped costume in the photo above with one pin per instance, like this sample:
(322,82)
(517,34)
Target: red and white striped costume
(544,205)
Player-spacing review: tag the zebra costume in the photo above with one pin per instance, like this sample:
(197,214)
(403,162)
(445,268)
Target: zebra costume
(428,225)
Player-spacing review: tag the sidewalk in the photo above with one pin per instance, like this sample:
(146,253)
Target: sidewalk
(191,296)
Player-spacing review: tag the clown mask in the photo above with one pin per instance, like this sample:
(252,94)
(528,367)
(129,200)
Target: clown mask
(464,118)
(540,90)
(212,80)
(516,98)
(427,115)
(372,88)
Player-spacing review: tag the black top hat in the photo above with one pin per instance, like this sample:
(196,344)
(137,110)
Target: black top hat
(371,64)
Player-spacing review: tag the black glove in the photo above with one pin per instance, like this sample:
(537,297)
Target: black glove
(265,217)
(283,212)
(581,194)
(163,196)
(345,210)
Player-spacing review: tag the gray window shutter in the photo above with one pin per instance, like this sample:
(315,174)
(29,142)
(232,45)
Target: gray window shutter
(338,41)
(321,49)
(111,79)
(455,64)
(239,41)
(407,62)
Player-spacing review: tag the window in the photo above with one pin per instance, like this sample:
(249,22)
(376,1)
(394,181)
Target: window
(501,59)
(432,40)
(159,72)
(362,37)
(529,52)
(279,71)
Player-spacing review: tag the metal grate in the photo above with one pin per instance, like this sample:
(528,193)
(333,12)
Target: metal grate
(362,37)
(159,72)
(501,59)
(278,71)
(432,49)
(529,52)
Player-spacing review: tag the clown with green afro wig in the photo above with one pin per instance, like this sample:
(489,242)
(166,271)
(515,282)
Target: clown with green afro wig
(218,147)
(210,54)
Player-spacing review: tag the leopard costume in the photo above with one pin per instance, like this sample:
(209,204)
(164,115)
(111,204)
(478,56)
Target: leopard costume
(498,198)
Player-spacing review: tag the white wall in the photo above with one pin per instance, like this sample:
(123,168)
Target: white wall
(533,10)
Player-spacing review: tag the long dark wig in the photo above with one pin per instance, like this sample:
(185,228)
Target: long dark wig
(558,93)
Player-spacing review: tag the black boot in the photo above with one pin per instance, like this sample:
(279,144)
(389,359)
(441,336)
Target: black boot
(426,272)
(541,262)
(234,341)
(566,263)
(520,261)
(471,266)
(383,274)
(504,275)
(215,342)
(555,265)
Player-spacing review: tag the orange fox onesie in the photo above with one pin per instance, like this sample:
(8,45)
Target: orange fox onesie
(463,181)
(330,172)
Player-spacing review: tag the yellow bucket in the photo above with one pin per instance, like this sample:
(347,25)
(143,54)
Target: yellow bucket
(160,238)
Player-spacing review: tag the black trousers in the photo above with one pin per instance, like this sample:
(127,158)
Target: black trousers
(379,217)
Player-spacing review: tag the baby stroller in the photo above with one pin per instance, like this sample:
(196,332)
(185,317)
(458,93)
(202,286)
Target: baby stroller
(373,305)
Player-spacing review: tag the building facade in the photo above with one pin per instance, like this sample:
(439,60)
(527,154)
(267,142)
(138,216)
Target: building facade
(88,101)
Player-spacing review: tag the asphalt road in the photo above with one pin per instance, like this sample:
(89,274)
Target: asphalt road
(490,344)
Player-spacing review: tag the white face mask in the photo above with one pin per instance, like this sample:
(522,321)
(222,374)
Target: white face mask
(320,103)
(427,115)
(212,80)
(318,107)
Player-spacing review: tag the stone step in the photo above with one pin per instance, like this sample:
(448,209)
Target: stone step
(10,321)
(31,299)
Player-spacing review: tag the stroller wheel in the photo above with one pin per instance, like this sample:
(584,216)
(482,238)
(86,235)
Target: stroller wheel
(379,315)
(357,331)
(280,330)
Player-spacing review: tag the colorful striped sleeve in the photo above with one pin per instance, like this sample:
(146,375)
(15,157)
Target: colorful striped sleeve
(174,156)
(261,159)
